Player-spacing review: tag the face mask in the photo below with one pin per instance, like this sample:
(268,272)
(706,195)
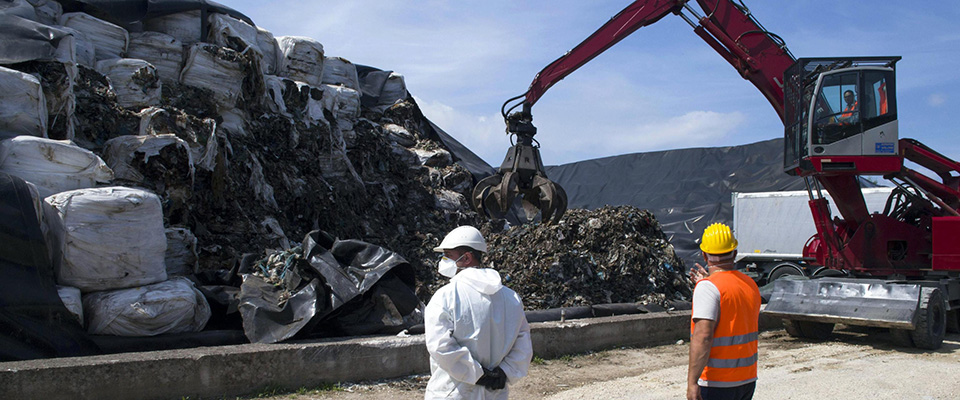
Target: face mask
(448,267)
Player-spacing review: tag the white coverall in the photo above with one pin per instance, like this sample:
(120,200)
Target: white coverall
(471,322)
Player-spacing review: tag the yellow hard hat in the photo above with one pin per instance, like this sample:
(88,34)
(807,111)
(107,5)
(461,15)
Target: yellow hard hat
(718,239)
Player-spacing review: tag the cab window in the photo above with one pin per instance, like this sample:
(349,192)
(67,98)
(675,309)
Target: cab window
(837,112)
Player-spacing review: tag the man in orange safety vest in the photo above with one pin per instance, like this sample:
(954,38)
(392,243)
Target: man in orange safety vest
(723,324)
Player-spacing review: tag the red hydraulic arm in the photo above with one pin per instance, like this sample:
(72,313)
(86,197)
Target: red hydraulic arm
(727,26)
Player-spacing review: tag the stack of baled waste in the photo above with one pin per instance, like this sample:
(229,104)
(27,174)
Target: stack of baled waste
(169,144)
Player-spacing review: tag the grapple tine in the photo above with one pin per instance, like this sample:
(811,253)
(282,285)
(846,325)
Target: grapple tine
(552,199)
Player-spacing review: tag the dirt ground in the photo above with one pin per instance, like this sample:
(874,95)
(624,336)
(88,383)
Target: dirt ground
(857,363)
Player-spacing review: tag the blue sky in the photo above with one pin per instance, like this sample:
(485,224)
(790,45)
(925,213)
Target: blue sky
(661,88)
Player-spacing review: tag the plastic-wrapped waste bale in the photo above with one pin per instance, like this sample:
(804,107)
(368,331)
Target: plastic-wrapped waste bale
(339,71)
(113,238)
(232,33)
(156,121)
(72,300)
(163,164)
(165,52)
(84,51)
(184,26)
(136,82)
(344,103)
(19,8)
(172,306)
(270,50)
(23,109)
(54,166)
(399,135)
(121,152)
(48,11)
(181,256)
(57,78)
(301,59)
(212,67)
(109,40)
(394,89)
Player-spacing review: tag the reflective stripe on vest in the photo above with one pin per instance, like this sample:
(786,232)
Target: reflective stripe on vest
(733,354)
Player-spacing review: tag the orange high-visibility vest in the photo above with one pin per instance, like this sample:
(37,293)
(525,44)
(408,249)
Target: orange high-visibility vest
(848,112)
(733,356)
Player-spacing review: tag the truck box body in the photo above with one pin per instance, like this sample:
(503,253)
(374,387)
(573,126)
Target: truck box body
(776,225)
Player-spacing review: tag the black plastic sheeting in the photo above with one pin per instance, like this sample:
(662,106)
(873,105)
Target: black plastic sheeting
(34,323)
(344,288)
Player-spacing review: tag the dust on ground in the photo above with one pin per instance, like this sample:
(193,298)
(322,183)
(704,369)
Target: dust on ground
(856,363)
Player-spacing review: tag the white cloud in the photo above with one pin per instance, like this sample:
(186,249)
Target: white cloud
(936,99)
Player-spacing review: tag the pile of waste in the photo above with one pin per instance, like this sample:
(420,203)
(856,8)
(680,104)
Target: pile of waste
(608,255)
(186,167)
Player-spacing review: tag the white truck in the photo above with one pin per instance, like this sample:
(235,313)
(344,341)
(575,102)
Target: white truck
(773,228)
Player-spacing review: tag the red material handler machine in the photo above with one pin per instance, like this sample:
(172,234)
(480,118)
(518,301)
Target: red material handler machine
(899,269)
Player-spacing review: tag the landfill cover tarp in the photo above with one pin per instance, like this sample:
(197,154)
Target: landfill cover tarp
(328,287)
(686,189)
(34,323)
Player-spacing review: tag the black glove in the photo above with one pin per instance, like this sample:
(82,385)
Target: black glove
(493,379)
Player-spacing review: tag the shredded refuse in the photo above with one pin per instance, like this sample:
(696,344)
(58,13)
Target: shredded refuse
(608,255)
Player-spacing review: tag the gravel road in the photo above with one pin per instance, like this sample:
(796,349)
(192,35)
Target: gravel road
(856,364)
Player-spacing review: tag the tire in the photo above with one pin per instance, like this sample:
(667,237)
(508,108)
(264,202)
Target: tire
(827,272)
(931,320)
(784,269)
(808,329)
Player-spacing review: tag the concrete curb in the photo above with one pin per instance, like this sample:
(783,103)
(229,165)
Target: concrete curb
(213,372)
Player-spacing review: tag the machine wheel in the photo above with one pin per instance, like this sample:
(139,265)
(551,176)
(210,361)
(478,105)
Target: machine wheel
(808,329)
(931,320)
(824,271)
(953,321)
(784,269)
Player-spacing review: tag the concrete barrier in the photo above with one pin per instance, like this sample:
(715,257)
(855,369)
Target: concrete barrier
(232,370)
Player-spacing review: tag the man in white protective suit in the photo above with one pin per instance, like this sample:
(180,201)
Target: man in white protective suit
(477,334)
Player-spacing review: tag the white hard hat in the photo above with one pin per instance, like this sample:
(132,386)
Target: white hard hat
(463,236)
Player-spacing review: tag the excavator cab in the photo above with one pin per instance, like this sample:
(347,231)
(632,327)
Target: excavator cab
(840,116)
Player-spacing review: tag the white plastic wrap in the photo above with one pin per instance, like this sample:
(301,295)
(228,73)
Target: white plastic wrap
(173,306)
(48,11)
(84,51)
(109,40)
(205,68)
(184,26)
(114,238)
(23,109)
(301,59)
(394,89)
(72,300)
(274,87)
(181,256)
(165,52)
(229,32)
(121,151)
(20,8)
(136,82)
(270,50)
(54,166)
(344,103)
(339,71)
